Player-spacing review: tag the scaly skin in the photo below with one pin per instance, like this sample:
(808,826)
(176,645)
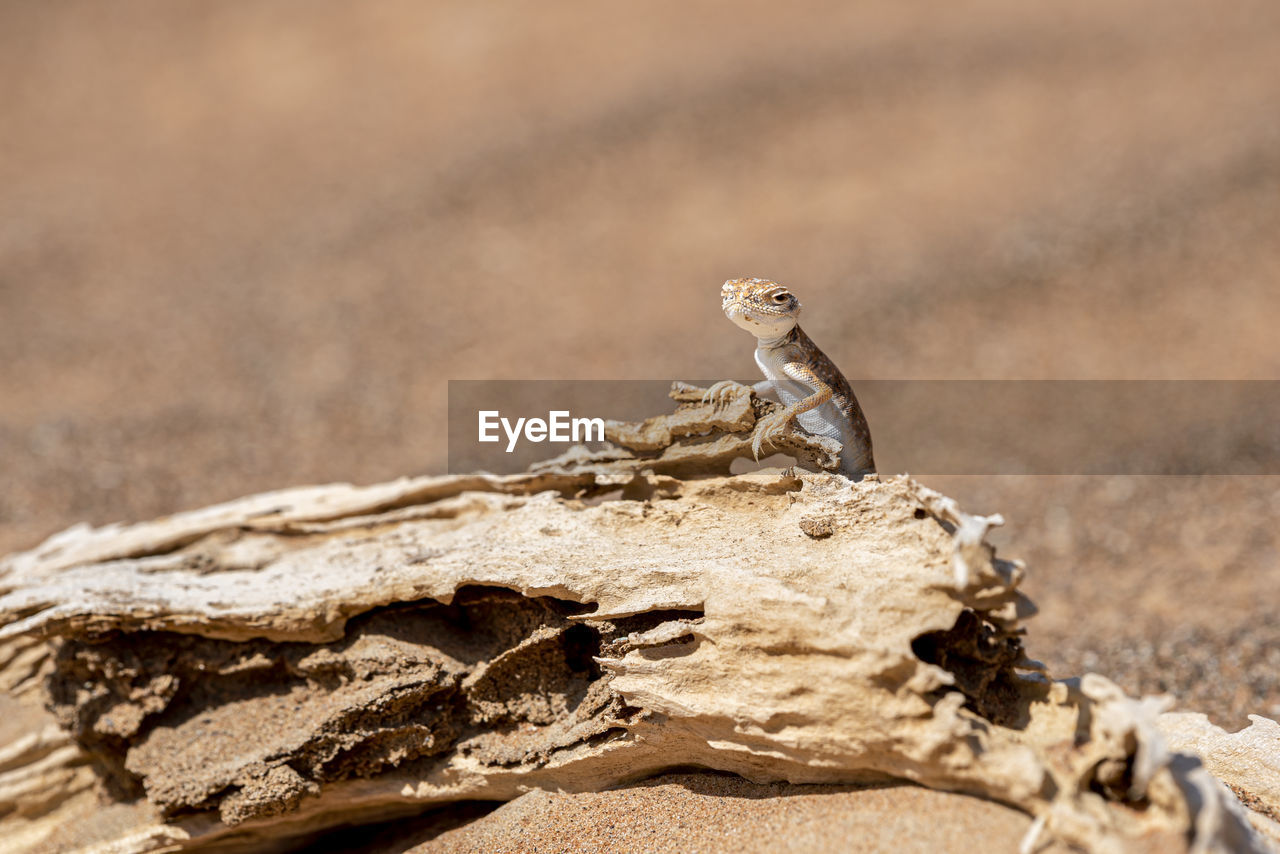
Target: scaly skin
(808,384)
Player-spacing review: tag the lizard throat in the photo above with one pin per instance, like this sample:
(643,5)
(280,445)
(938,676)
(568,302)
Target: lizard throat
(771,343)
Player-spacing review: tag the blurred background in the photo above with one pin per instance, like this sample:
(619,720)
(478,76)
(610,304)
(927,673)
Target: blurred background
(245,245)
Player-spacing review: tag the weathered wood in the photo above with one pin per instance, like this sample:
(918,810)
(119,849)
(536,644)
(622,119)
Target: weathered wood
(332,654)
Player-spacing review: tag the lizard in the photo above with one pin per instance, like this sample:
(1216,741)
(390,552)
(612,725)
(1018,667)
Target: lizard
(809,385)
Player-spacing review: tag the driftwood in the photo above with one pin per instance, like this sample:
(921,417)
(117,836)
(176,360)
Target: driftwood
(292,661)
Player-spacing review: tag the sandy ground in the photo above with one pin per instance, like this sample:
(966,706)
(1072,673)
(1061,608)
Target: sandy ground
(245,246)
(718,814)
(705,813)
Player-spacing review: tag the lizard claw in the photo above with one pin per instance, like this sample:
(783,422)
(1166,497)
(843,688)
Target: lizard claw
(720,392)
(769,428)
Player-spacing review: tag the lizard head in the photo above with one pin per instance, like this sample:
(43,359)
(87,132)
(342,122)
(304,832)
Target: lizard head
(764,308)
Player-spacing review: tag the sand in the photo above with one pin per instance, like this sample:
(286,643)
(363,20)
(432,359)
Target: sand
(245,247)
(713,813)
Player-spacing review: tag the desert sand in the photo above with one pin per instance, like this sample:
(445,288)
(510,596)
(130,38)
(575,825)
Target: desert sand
(245,247)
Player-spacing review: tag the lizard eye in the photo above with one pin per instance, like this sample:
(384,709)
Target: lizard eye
(781,298)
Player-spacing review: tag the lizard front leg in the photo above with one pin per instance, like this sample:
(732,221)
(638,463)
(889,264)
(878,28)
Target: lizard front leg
(773,425)
(720,393)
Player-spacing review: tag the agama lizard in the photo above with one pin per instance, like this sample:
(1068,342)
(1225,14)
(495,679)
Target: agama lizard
(809,385)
